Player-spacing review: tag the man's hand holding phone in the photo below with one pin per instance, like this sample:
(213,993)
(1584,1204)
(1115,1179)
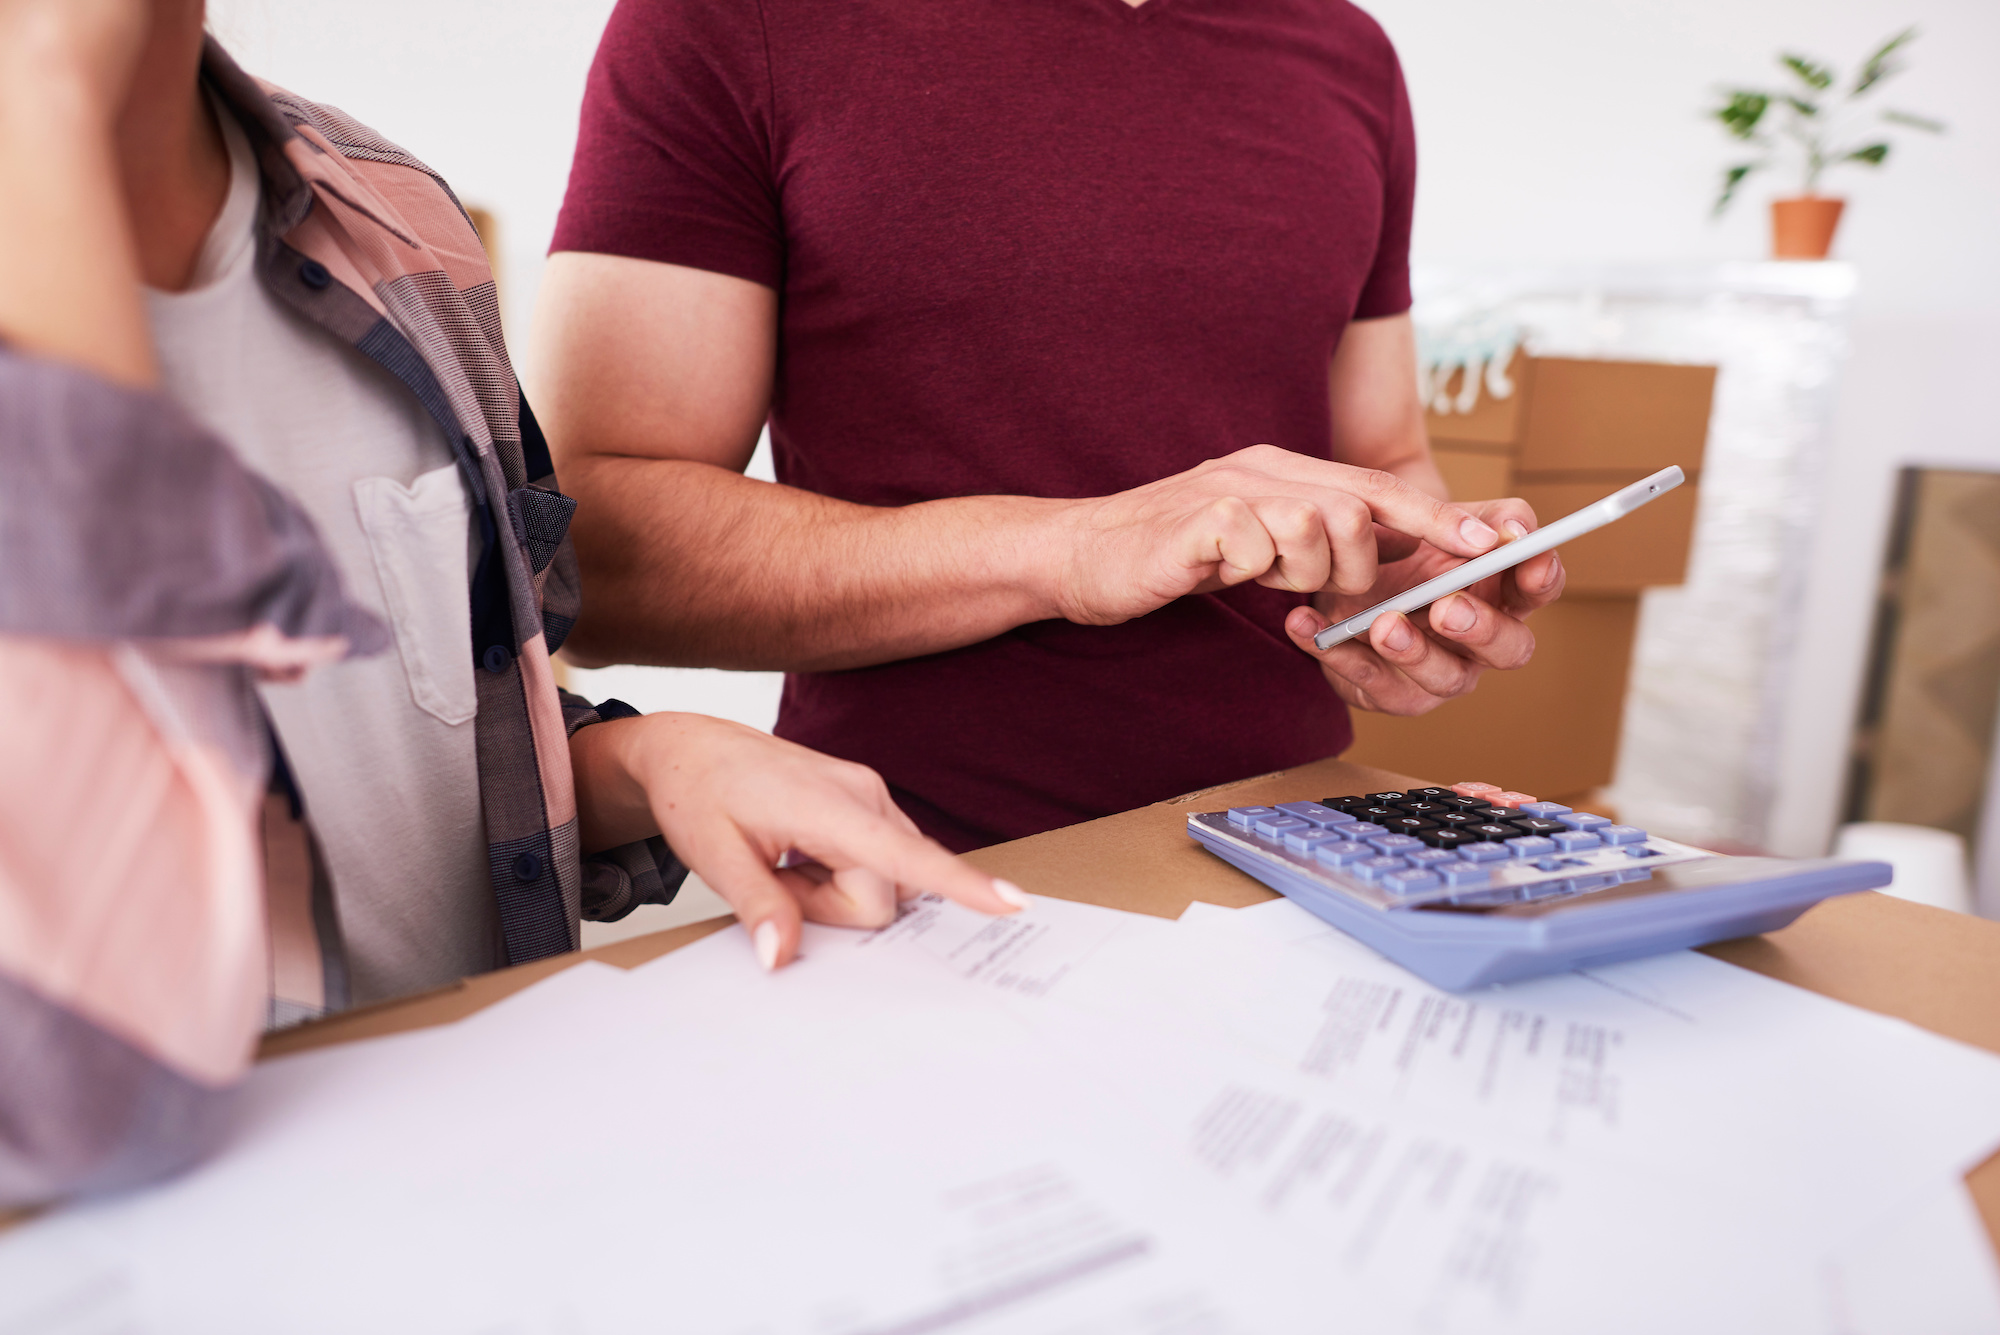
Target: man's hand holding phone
(1411,664)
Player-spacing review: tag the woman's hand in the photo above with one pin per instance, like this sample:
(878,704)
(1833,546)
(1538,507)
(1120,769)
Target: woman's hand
(1411,665)
(734,803)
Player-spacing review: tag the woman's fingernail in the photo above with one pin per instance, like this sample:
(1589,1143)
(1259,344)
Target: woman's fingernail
(1456,614)
(1514,530)
(1010,893)
(1477,534)
(765,939)
(1399,636)
(1555,572)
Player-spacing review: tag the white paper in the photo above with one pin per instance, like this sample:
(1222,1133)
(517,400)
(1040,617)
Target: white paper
(1673,1058)
(1925,1266)
(703,1149)
(1074,1120)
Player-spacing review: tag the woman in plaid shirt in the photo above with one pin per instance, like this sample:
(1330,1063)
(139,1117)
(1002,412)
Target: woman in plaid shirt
(282,562)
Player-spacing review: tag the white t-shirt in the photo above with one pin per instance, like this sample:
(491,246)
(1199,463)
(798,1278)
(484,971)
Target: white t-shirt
(381,748)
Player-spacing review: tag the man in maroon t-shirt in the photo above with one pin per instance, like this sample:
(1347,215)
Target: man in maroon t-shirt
(1061,312)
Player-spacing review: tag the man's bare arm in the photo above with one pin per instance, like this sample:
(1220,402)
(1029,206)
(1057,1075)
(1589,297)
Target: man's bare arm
(652,381)
(1378,421)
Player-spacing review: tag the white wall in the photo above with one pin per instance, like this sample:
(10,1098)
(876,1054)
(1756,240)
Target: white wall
(485,91)
(1572,130)
(1551,130)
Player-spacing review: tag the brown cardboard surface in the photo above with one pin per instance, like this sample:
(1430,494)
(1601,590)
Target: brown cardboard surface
(1550,727)
(1492,421)
(473,994)
(1472,475)
(1937,970)
(1647,547)
(1584,415)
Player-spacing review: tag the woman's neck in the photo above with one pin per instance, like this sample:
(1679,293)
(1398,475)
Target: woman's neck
(172,160)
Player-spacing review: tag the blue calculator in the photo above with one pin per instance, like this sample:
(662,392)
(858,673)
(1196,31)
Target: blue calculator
(1474,884)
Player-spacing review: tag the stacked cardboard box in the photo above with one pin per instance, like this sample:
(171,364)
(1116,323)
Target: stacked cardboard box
(1572,432)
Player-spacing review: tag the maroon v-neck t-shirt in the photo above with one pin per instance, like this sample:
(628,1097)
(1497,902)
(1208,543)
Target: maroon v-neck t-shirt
(1028,247)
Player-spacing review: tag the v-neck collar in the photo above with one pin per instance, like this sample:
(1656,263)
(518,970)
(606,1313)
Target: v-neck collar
(1135,13)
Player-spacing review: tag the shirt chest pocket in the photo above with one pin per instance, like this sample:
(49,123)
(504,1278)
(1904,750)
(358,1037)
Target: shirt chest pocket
(418,536)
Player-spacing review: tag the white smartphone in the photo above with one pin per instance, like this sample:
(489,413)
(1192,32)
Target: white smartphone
(1593,516)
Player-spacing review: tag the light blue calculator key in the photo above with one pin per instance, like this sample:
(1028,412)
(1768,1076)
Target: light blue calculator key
(1575,841)
(1412,880)
(1342,853)
(1545,810)
(1304,841)
(1583,820)
(1429,857)
(1362,829)
(1456,874)
(1246,816)
(1274,825)
(1530,846)
(1394,843)
(1315,814)
(1373,869)
(1621,834)
(1485,852)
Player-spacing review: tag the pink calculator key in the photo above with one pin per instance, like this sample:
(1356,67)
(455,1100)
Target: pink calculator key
(1510,799)
(1474,789)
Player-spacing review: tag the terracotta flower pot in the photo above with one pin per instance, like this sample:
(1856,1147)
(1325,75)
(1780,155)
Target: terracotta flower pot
(1802,228)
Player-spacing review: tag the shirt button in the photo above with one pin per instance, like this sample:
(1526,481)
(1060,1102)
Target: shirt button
(495,659)
(527,867)
(313,274)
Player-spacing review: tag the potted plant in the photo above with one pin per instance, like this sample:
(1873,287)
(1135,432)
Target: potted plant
(1824,128)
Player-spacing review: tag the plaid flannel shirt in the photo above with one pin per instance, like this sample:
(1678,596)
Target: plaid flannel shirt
(145,572)
(368,243)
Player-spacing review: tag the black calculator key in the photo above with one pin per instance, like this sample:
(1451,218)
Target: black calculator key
(1537,825)
(1381,815)
(1385,798)
(1341,803)
(1447,838)
(1465,803)
(1456,818)
(1431,794)
(1492,830)
(1419,808)
(1408,825)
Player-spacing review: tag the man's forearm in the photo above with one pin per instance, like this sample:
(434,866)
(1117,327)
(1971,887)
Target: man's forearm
(695,565)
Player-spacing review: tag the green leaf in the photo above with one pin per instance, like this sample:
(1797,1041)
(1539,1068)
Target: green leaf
(1882,64)
(1742,112)
(1730,180)
(1815,76)
(1872,155)
(1803,107)
(1914,121)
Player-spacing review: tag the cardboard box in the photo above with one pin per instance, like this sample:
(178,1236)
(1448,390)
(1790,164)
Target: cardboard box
(1475,475)
(1611,418)
(1573,431)
(1648,547)
(1549,729)
(1492,421)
